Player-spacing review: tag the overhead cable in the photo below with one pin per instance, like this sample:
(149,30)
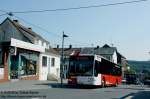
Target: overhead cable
(82,7)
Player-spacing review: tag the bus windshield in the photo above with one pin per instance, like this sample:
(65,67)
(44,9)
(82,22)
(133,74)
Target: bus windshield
(81,66)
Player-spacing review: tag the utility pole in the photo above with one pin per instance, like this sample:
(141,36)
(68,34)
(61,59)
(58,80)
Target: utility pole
(62,58)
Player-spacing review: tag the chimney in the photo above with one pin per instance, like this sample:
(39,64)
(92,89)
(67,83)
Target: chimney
(16,21)
(57,46)
(29,28)
(97,46)
(70,46)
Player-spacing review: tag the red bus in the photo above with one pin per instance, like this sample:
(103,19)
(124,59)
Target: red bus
(93,70)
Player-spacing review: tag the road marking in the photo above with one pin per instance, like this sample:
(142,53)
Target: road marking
(117,93)
(123,92)
(129,97)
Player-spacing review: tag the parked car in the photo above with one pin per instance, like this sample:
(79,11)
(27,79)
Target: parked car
(131,79)
(147,82)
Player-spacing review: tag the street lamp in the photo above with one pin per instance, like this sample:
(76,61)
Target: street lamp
(62,57)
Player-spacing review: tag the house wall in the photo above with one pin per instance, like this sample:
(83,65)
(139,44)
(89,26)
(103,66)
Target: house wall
(39,42)
(55,69)
(49,69)
(114,59)
(42,43)
(1,34)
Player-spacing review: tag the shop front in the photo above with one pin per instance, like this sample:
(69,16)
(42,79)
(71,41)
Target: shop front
(24,65)
(19,60)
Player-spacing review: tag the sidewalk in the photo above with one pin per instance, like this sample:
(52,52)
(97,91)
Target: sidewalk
(27,85)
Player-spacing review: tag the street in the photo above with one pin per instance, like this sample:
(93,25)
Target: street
(49,90)
(121,92)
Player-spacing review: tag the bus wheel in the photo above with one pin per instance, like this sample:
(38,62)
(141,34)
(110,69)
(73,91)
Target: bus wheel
(103,83)
(116,83)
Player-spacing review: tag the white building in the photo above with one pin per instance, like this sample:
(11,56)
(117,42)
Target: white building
(49,65)
(30,49)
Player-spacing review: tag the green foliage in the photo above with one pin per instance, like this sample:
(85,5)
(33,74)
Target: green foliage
(139,66)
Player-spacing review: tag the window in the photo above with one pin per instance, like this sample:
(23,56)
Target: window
(53,62)
(108,57)
(81,66)
(28,62)
(44,61)
(40,42)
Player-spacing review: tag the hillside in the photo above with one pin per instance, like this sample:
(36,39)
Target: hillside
(139,66)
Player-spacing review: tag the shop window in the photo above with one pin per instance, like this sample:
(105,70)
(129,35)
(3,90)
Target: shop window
(28,63)
(44,61)
(53,62)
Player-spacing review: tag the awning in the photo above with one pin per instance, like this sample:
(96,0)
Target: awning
(27,56)
(26,45)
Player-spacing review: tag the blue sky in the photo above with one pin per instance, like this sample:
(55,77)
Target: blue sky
(126,26)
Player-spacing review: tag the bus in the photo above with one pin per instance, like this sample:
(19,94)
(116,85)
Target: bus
(93,70)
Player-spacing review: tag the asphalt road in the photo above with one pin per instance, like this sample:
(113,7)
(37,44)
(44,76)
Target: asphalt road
(55,91)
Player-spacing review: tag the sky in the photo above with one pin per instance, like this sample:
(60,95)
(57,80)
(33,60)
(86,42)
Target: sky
(126,26)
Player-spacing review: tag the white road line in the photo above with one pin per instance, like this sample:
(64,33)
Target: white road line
(129,97)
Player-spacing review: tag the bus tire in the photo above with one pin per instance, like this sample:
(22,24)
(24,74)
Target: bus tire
(116,84)
(103,83)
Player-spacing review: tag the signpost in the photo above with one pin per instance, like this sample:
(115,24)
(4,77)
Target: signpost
(62,58)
